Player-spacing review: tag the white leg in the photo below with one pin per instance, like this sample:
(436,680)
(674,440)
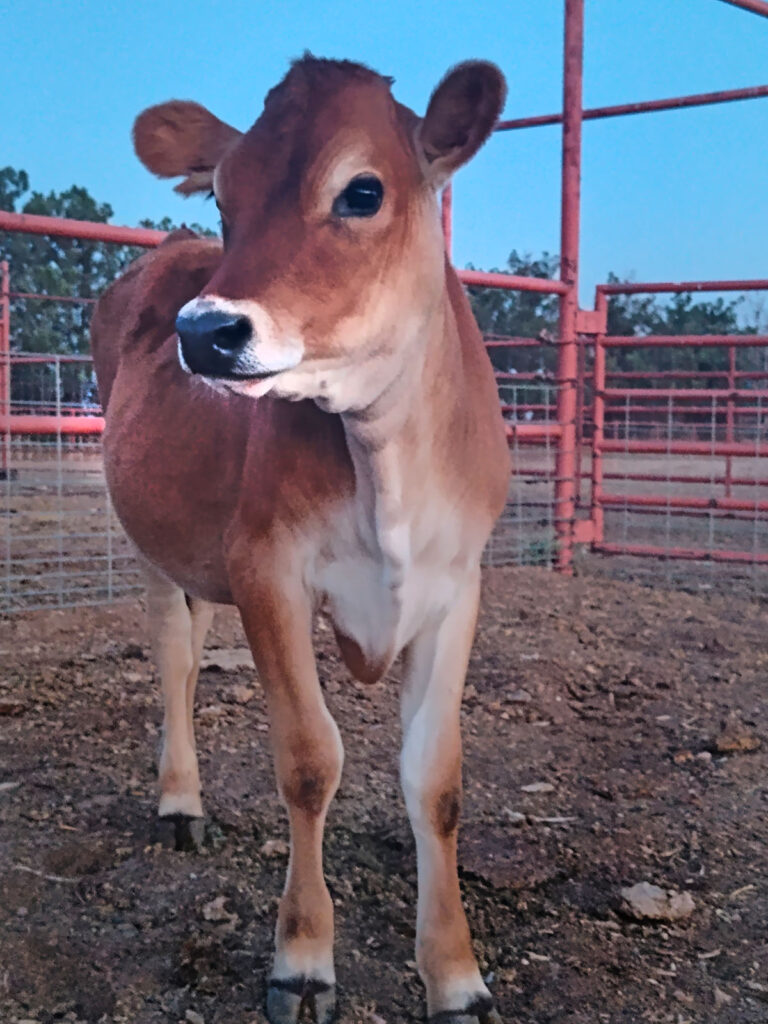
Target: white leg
(178,629)
(435,667)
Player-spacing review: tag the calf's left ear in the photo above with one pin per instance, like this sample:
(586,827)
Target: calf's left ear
(461,114)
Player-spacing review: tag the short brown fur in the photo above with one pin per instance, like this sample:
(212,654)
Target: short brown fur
(365,472)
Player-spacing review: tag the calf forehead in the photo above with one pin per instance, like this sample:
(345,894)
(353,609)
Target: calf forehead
(320,113)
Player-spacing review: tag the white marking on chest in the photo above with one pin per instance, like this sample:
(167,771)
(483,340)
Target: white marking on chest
(383,585)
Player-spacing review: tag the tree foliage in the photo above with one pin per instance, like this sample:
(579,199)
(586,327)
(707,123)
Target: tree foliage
(533,315)
(67,268)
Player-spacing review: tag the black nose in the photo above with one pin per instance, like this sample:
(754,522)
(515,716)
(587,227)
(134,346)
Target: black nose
(212,341)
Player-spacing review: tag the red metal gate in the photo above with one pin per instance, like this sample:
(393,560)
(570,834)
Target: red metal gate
(677,455)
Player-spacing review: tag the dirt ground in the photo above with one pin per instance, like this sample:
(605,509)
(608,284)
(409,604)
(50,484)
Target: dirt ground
(610,694)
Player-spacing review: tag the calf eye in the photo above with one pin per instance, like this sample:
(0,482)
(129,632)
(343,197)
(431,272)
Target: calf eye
(361,198)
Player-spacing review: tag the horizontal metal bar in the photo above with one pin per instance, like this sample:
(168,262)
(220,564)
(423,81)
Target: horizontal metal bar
(745,449)
(685,341)
(50,298)
(680,478)
(685,393)
(24,358)
(649,287)
(86,230)
(533,432)
(686,554)
(701,99)
(31,424)
(513,282)
(617,413)
(684,501)
(718,515)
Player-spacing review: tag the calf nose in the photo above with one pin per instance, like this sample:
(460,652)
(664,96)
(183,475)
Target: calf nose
(212,341)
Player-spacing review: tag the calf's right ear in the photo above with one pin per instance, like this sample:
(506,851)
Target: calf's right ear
(181,138)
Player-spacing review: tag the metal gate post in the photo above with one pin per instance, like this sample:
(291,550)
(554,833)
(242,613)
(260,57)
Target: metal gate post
(730,418)
(567,355)
(5,366)
(598,425)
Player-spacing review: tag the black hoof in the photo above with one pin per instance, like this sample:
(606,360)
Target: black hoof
(290,998)
(480,1011)
(180,832)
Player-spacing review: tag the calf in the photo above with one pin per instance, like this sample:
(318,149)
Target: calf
(306,416)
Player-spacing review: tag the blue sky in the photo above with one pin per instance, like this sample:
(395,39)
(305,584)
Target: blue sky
(678,195)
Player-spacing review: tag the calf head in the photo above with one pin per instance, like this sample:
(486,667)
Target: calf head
(333,263)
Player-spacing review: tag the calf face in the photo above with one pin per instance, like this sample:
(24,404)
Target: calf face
(333,255)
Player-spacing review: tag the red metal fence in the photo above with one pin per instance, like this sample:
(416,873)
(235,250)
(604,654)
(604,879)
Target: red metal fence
(656,447)
(682,448)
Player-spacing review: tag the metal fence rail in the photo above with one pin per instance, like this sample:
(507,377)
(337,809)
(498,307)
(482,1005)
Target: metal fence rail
(679,456)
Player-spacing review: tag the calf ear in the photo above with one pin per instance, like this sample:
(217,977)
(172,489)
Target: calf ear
(461,114)
(182,138)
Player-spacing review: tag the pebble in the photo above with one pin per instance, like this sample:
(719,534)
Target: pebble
(274,848)
(514,817)
(721,998)
(520,697)
(648,901)
(538,787)
(193,1017)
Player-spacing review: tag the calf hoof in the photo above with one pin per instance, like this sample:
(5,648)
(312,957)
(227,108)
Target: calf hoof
(180,832)
(481,1011)
(289,998)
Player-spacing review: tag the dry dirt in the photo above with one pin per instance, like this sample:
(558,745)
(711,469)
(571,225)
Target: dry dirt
(611,694)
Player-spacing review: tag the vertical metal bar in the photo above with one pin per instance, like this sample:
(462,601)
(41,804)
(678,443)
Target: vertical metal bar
(598,427)
(5,409)
(729,417)
(581,356)
(565,485)
(59,481)
(446,213)
(5,365)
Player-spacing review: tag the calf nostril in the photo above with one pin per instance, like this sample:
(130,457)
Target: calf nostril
(232,335)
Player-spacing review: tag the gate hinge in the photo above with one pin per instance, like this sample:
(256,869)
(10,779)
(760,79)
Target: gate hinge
(591,321)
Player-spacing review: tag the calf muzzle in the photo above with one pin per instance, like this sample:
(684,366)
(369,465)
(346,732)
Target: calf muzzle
(212,342)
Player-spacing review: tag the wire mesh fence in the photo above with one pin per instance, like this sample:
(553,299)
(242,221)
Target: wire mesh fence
(526,533)
(61,543)
(683,484)
(673,485)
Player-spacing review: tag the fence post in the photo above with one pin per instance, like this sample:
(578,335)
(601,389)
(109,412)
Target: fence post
(730,418)
(567,355)
(5,368)
(598,426)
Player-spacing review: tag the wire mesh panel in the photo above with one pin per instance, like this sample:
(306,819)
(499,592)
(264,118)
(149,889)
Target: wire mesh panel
(683,470)
(61,543)
(526,533)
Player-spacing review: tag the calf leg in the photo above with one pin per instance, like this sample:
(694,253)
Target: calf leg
(435,667)
(178,626)
(308,761)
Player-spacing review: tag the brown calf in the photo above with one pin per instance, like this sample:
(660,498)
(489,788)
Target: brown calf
(328,433)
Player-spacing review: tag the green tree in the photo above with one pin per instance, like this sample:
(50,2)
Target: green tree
(68,268)
(513,314)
